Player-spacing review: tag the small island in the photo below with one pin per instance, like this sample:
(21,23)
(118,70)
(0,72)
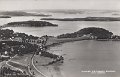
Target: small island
(85,19)
(5,17)
(21,13)
(30,24)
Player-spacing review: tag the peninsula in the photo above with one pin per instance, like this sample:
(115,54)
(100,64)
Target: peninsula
(90,33)
(33,49)
(98,33)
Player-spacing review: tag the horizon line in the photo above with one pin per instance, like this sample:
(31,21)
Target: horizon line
(62,9)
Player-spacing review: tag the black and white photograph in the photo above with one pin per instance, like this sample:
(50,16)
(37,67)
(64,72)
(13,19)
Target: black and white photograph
(59,38)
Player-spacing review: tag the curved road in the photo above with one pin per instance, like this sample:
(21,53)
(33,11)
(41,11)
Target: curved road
(22,68)
(38,72)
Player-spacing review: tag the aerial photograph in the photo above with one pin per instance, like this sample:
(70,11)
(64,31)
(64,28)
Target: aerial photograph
(59,38)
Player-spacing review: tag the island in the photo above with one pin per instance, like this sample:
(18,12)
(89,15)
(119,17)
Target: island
(85,19)
(30,24)
(5,17)
(21,13)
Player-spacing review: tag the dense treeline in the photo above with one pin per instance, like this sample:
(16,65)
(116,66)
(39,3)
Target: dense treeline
(14,47)
(50,55)
(7,72)
(7,34)
(99,33)
(56,58)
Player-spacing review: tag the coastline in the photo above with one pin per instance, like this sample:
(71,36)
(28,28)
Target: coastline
(50,70)
(54,41)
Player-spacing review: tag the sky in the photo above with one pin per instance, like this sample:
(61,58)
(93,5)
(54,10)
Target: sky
(9,5)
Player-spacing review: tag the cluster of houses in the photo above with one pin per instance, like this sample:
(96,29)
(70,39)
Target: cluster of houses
(39,41)
(90,36)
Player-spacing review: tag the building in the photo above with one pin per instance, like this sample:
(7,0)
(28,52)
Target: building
(5,56)
(19,39)
(89,36)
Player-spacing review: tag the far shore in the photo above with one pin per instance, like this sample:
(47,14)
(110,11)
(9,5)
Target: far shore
(5,17)
(85,19)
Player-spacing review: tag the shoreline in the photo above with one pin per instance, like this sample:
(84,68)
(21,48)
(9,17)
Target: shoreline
(54,41)
(52,67)
(85,19)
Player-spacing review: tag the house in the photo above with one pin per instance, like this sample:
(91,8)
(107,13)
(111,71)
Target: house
(5,56)
(89,36)
(19,39)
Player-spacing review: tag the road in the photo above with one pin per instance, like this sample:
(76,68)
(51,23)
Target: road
(38,72)
(26,63)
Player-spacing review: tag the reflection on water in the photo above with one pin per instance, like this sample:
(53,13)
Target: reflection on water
(93,56)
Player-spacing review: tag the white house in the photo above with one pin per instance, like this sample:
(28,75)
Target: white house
(19,39)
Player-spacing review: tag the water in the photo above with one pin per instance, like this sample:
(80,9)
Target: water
(92,56)
(80,56)
(68,27)
(65,26)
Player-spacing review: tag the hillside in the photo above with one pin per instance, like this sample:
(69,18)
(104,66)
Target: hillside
(98,33)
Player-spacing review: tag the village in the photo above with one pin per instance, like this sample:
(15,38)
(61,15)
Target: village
(19,44)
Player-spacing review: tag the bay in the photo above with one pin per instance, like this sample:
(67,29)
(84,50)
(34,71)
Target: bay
(92,56)
(80,56)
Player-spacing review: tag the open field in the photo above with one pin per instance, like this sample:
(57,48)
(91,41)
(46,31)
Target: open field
(49,70)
